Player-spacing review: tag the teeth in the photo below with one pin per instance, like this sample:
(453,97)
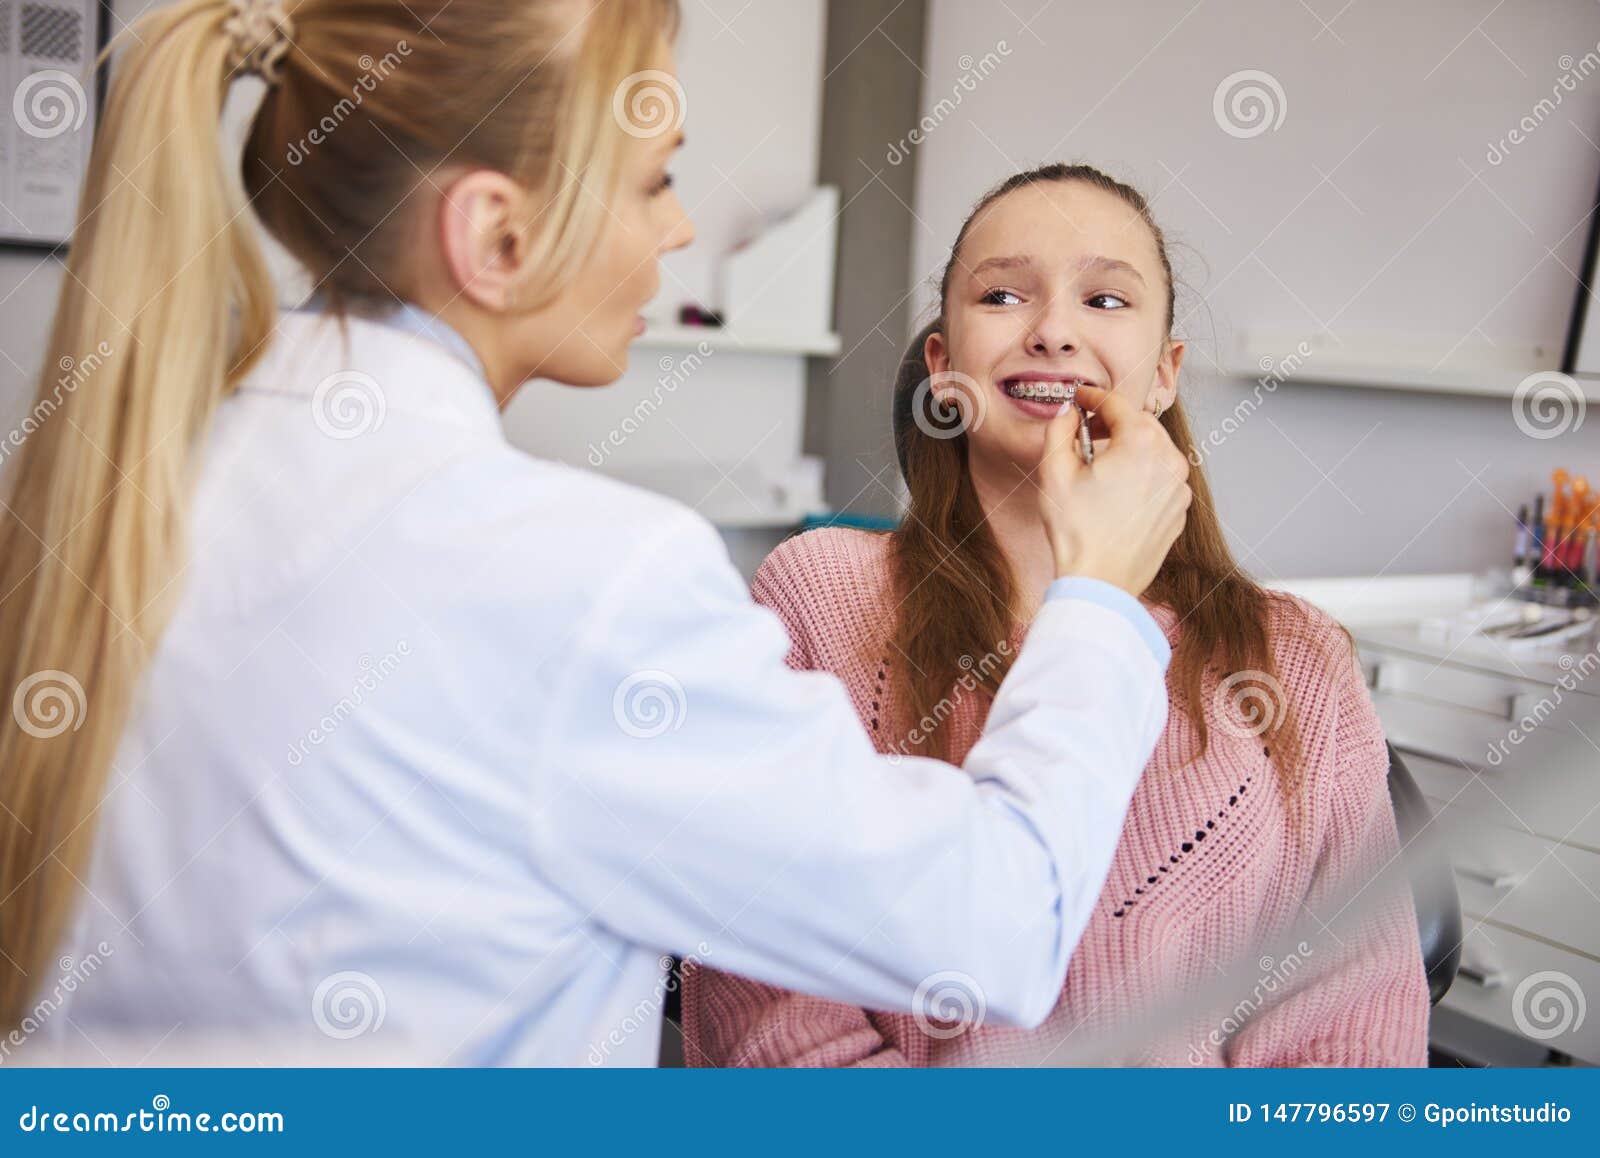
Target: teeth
(1043,391)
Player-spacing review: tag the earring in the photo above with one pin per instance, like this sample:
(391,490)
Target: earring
(1159,408)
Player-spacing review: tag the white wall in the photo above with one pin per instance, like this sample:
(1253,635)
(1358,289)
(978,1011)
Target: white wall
(753,76)
(28,289)
(1372,212)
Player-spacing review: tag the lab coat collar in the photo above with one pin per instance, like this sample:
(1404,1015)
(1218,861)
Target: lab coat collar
(404,363)
(412,319)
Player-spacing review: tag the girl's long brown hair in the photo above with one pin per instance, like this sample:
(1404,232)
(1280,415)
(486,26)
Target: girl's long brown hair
(168,302)
(957,594)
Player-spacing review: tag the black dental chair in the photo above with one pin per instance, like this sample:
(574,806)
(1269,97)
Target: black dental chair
(1433,883)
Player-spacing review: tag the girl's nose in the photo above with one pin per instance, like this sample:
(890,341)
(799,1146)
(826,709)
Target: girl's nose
(1052,336)
(1052,332)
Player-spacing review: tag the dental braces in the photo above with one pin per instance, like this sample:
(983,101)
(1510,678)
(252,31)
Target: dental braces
(1055,391)
(1066,392)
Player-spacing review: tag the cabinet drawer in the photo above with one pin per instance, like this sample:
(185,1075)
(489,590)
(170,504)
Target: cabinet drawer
(1529,989)
(1480,719)
(1470,689)
(1513,878)
(1449,734)
(1553,790)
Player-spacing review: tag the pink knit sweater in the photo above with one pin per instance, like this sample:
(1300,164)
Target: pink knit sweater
(1208,868)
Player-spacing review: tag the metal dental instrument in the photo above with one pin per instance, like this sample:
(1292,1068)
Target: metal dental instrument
(1085,441)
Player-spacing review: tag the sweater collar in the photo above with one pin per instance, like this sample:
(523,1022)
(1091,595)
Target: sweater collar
(1166,619)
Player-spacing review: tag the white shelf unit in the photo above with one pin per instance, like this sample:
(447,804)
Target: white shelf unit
(1440,366)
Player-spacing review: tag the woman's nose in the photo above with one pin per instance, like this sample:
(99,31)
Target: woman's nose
(681,233)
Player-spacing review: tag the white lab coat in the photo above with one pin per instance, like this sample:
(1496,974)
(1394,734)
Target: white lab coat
(445,748)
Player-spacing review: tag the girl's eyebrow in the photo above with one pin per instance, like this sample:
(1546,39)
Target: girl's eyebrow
(1095,262)
(1017,261)
(1110,265)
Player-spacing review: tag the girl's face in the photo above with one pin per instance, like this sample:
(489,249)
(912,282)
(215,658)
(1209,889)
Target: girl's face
(1055,282)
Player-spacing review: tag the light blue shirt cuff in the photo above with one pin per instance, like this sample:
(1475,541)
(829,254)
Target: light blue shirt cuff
(1114,599)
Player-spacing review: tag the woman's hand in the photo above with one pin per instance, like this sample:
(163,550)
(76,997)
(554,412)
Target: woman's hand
(1116,520)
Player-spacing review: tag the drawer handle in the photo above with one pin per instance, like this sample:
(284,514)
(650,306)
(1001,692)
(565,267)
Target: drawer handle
(1481,977)
(1490,877)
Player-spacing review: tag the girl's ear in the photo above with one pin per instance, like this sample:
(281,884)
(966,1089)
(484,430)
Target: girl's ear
(936,354)
(1165,388)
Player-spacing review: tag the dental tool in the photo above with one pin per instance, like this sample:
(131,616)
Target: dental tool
(1085,440)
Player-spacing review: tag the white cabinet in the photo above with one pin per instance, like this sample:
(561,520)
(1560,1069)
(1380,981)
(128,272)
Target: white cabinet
(1507,755)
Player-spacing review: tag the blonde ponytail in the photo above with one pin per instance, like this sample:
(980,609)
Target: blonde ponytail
(168,302)
(91,538)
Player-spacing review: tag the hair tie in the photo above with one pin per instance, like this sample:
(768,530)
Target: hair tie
(260,33)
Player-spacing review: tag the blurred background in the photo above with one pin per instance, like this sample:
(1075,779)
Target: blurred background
(1382,217)
(1407,188)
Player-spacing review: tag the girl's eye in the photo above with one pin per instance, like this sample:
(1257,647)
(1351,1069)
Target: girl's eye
(1115,302)
(662,184)
(994,297)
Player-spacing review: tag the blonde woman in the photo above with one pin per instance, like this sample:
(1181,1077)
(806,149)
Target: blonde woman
(1266,799)
(329,706)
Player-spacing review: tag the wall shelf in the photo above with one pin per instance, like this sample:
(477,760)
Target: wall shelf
(742,341)
(1475,370)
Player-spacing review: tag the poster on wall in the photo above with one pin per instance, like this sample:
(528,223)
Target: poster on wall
(48,50)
